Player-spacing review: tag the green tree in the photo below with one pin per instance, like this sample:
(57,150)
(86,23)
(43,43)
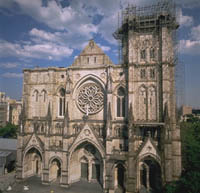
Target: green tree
(190,179)
(9,131)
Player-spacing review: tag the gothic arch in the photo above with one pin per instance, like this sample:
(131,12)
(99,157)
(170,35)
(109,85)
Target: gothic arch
(32,162)
(89,77)
(30,147)
(44,95)
(143,95)
(58,89)
(74,146)
(118,86)
(86,162)
(56,157)
(36,95)
(149,175)
(55,168)
(89,95)
(152,103)
(119,175)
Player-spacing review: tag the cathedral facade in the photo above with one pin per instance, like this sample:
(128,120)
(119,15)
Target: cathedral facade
(106,123)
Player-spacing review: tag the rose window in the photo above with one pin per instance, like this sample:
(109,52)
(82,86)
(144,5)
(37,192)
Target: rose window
(90,98)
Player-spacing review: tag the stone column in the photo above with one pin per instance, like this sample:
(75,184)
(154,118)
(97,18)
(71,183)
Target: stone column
(19,166)
(45,178)
(64,173)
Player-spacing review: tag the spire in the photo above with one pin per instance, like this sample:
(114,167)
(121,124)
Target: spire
(132,129)
(49,117)
(109,119)
(109,80)
(130,116)
(22,118)
(66,117)
(166,114)
(109,113)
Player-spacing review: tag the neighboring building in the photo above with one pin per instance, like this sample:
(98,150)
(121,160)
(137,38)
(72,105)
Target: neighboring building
(4,109)
(186,110)
(8,152)
(10,110)
(15,111)
(189,113)
(114,124)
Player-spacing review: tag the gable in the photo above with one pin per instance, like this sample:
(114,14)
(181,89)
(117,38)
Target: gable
(92,55)
(34,141)
(87,134)
(149,148)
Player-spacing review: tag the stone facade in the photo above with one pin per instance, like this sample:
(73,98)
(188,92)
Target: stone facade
(102,122)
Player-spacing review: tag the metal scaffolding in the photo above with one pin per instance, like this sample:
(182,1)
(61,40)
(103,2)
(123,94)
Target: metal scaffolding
(149,20)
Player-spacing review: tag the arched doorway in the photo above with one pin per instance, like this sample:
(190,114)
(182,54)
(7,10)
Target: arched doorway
(150,175)
(120,178)
(86,163)
(32,165)
(54,170)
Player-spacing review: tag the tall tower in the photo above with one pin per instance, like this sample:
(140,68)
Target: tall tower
(147,35)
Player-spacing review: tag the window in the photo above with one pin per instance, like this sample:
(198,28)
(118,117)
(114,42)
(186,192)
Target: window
(44,95)
(142,73)
(95,59)
(152,73)
(143,54)
(36,95)
(61,102)
(121,102)
(88,60)
(152,53)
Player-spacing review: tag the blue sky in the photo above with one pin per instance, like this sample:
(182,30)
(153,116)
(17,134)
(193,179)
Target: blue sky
(53,32)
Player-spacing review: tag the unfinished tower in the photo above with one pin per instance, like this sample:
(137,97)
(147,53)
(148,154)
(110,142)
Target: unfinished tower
(147,36)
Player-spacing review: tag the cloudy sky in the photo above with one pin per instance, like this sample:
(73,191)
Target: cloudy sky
(52,32)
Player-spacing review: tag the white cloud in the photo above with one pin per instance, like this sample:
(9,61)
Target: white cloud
(191,46)
(185,20)
(46,50)
(195,33)
(12,75)
(104,48)
(188,3)
(9,65)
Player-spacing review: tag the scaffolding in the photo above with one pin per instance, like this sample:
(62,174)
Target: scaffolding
(150,20)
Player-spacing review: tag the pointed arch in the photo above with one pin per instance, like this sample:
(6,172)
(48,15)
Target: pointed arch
(36,95)
(44,95)
(121,103)
(55,168)
(88,78)
(142,102)
(149,173)
(61,102)
(32,162)
(152,103)
(85,162)
(74,146)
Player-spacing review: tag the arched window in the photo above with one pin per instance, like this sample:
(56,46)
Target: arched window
(44,95)
(61,102)
(36,95)
(143,54)
(152,103)
(121,102)
(142,103)
(152,53)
